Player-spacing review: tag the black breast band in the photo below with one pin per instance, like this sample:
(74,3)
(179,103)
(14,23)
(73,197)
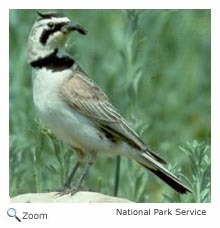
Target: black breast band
(54,62)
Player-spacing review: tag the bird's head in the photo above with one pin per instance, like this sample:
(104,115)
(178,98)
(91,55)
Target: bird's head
(50,32)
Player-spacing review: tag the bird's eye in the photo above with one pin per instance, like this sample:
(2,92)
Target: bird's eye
(50,24)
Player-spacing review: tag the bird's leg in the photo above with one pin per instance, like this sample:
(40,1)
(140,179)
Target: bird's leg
(84,173)
(70,177)
(67,188)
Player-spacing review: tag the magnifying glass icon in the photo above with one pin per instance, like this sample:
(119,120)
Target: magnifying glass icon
(11,212)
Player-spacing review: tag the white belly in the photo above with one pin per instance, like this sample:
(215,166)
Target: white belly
(66,123)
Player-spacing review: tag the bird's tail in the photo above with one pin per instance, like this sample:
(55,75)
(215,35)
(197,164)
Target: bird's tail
(148,161)
(171,180)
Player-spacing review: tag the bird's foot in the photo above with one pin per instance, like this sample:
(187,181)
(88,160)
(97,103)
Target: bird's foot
(68,190)
(74,190)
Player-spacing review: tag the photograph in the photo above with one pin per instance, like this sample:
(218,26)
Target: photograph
(110,105)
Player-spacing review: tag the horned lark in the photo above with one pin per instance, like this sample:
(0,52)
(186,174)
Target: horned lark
(76,110)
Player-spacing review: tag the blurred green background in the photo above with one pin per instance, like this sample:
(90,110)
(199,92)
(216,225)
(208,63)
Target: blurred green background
(155,67)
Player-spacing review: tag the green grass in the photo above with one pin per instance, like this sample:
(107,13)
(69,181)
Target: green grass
(155,67)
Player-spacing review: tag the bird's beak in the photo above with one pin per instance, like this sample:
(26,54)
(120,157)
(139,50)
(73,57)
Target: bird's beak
(71,26)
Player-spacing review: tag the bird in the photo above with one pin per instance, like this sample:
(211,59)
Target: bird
(77,110)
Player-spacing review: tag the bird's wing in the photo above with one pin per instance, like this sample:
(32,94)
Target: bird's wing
(82,94)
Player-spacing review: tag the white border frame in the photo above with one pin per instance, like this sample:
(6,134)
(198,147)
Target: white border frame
(100,215)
